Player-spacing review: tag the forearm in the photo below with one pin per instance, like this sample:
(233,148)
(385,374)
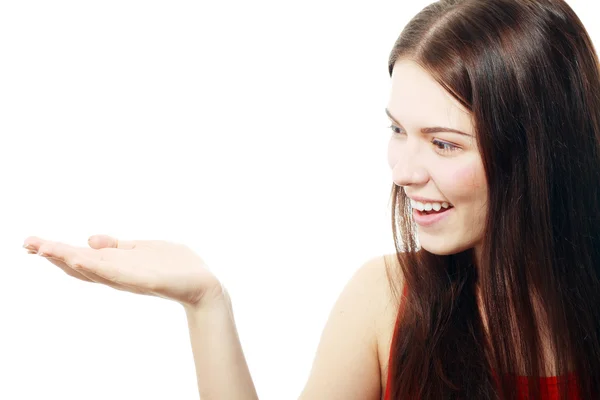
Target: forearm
(221,367)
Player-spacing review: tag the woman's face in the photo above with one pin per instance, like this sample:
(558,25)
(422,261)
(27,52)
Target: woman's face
(434,163)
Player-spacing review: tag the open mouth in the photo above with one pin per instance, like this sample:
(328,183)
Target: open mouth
(424,212)
(431,217)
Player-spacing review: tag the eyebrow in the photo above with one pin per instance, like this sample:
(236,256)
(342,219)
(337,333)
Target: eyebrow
(434,129)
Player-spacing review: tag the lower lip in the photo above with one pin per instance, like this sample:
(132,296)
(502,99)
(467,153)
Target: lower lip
(430,219)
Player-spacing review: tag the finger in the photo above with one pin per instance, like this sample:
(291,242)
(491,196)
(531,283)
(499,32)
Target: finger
(103,241)
(89,277)
(33,243)
(68,270)
(50,252)
(84,261)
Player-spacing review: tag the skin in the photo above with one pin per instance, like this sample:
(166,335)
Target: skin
(149,267)
(444,165)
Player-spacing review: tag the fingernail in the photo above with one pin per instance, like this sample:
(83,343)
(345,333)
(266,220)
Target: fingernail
(42,254)
(28,247)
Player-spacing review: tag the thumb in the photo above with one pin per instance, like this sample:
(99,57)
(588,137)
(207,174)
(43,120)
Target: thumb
(105,241)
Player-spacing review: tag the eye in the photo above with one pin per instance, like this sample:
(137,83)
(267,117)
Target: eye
(440,146)
(444,147)
(396,131)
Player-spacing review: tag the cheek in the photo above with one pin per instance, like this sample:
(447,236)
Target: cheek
(469,177)
(465,183)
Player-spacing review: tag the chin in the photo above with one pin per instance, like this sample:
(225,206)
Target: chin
(442,248)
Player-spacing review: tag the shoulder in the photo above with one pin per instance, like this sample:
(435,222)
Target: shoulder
(367,293)
(387,280)
(378,277)
(376,285)
(384,276)
(347,364)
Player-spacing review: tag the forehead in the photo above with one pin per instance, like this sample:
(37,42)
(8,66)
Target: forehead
(417,99)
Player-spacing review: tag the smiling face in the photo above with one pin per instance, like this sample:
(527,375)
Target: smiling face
(436,165)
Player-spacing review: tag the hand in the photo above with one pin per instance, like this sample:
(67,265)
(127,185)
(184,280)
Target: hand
(150,267)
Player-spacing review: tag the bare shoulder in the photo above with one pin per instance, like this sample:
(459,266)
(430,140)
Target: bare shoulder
(387,308)
(348,363)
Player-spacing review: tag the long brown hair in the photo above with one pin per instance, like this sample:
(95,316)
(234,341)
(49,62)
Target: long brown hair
(528,72)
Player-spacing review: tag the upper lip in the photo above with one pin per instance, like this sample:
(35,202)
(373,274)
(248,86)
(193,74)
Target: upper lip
(425,200)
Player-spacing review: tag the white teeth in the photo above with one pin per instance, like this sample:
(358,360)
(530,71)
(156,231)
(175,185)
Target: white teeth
(428,206)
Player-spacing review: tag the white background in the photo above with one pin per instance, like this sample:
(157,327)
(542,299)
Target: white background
(252,131)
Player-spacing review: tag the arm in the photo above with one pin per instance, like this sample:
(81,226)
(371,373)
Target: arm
(221,368)
(346,365)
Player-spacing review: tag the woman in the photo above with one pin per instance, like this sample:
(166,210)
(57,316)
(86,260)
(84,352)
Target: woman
(495,157)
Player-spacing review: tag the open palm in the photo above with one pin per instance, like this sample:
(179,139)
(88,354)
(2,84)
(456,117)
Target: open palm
(150,267)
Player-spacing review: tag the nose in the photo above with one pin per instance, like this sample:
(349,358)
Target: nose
(409,170)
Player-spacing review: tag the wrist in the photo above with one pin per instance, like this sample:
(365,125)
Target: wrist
(215,298)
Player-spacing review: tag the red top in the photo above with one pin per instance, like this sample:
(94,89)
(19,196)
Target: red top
(550,389)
